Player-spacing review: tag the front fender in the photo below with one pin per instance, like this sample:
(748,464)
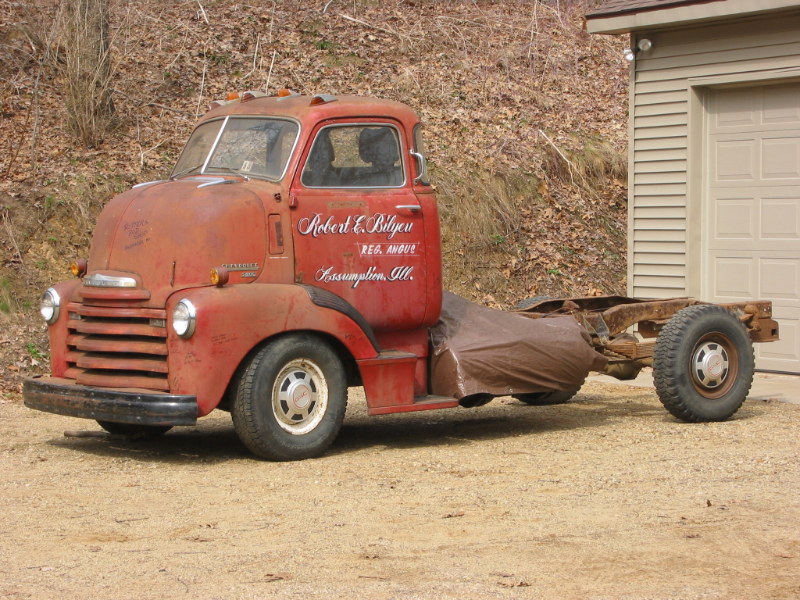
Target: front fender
(234,319)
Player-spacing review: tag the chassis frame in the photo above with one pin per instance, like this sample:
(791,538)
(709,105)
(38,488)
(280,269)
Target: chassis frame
(609,318)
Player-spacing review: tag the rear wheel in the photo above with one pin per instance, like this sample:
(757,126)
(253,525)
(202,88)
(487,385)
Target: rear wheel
(475,400)
(703,364)
(291,399)
(131,429)
(547,398)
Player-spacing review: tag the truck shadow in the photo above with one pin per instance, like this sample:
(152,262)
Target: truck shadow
(214,440)
(181,446)
(467,426)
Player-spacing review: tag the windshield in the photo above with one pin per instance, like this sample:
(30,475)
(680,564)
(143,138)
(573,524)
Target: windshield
(256,147)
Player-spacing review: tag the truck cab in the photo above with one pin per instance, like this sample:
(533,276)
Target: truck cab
(293,252)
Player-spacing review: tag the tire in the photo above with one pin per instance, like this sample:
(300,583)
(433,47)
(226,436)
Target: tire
(547,398)
(475,400)
(528,302)
(291,399)
(703,364)
(132,429)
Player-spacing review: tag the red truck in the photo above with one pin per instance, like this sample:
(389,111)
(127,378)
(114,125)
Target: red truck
(295,252)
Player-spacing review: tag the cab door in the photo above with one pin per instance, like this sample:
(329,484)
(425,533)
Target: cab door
(357,224)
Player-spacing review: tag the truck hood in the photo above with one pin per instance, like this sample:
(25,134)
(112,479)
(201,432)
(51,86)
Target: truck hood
(171,234)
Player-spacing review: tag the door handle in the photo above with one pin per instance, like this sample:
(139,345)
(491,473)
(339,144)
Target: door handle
(411,207)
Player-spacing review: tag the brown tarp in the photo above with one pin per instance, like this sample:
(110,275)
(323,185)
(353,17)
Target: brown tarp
(480,350)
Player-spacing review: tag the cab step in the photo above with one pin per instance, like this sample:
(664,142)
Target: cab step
(430,399)
(420,403)
(389,384)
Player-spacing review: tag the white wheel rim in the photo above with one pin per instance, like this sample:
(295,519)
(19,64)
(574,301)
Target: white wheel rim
(300,396)
(710,365)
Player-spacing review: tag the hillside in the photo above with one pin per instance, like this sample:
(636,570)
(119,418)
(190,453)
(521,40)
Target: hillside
(524,113)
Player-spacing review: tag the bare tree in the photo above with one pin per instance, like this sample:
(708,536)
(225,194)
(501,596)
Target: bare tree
(84,63)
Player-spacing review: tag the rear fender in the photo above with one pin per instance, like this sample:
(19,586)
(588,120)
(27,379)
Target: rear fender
(233,320)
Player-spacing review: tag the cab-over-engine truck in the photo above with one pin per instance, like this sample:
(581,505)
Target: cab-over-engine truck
(295,252)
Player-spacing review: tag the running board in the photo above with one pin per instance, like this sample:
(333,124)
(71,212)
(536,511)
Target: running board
(420,403)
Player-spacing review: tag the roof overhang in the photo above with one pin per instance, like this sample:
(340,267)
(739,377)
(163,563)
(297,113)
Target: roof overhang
(683,14)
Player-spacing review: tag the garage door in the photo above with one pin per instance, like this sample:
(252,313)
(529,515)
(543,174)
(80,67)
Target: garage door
(752,231)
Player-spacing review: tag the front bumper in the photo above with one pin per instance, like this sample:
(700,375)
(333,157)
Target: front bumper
(137,407)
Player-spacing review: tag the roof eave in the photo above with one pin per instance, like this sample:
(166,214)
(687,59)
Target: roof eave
(683,15)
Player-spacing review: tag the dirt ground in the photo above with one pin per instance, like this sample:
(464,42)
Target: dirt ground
(605,497)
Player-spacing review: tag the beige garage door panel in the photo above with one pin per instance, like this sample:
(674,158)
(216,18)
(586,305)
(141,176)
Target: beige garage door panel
(734,109)
(770,108)
(779,278)
(752,232)
(733,278)
(743,277)
(755,218)
(757,158)
(780,158)
(754,275)
(783,355)
(734,219)
(780,218)
(780,104)
(735,160)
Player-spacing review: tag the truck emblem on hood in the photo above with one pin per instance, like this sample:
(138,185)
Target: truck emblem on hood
(241,266)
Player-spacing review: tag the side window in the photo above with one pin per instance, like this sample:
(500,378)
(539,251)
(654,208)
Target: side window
(355,156)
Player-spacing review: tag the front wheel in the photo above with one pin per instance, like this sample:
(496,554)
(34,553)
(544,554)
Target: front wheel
(291,399)
(703,364)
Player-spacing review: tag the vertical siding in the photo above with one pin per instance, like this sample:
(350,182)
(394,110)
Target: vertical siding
(660,133)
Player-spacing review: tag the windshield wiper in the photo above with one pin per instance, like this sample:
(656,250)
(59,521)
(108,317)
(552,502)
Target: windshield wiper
(174,176)
(232,170)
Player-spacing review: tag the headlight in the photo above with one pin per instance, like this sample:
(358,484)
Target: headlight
(184,318)
(49,306)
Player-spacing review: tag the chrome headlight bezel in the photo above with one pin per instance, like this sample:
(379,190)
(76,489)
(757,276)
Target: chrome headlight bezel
(190,318)
(53,309)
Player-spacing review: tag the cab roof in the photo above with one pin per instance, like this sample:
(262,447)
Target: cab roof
(299,107)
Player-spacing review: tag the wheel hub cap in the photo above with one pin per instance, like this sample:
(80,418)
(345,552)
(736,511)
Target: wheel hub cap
(710,365)
(300,397)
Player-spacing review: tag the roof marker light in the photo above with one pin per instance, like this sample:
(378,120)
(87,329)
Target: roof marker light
(284,93)
(233,96)
(218,103)
(252,95)
(322,99)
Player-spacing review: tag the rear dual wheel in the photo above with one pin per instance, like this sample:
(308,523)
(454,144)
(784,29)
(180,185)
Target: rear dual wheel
(703,364)
(291,399)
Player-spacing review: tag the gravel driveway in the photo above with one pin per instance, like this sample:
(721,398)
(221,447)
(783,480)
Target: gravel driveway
(605,497)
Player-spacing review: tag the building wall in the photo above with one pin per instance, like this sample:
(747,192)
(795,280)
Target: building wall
(667,137)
